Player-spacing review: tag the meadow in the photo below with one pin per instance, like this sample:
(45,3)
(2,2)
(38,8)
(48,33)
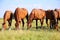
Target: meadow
(32,34)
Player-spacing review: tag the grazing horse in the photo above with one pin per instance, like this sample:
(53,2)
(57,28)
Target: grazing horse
(36,14)
(58,12)
(7,17)
(57,16)
(20,14)
(52,15)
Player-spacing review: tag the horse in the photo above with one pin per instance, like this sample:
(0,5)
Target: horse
(52,15)
(19,15)
(57,16)
(58,12)
(36,14)
(8,15)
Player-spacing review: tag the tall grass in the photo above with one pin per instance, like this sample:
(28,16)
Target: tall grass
(32,34)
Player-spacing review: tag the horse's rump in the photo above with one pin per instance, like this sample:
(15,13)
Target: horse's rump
(8,15)
(20,12)
(38,14)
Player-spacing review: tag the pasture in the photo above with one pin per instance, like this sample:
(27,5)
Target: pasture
(32,34)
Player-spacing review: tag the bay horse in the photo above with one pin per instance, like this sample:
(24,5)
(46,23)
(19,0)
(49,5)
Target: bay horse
(36,14)
(52,15)
(20,14)
(7,17)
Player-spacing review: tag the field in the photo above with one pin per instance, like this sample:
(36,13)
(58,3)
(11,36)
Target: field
(32,34)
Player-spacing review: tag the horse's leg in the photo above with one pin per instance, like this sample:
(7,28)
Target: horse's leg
(22,24)
(42,22)
(56,24)
(47,22)
(9,21)
(30,21)
(36,24)
(27,17)
(29,24)
(4,25)
(51,24)
(17,25)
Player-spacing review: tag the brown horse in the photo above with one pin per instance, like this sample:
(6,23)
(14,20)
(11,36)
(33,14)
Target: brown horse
(57,16)
(52,15)
(20,14)
(7,17)
(58,12)
(36,14)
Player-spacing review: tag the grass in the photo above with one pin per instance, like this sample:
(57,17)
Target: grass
(32,34)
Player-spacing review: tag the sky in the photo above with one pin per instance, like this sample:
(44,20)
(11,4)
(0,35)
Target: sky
(28,4)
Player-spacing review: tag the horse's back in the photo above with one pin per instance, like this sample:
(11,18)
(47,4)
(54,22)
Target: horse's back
(8,14)
(38,14)
(21,12)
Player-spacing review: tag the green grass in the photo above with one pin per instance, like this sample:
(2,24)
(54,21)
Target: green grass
(32,34)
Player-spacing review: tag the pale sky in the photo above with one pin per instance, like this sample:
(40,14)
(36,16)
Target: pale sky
(28,4)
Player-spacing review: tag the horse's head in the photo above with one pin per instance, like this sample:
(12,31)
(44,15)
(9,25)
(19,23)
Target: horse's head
(28,24)
(4,26)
